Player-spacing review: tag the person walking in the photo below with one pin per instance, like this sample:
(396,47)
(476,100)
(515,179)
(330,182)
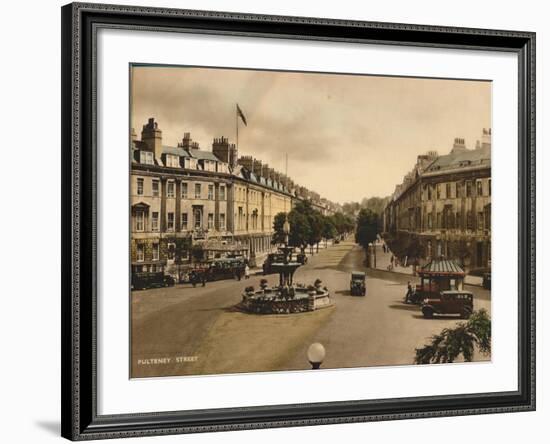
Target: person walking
(246,271)
(409,293)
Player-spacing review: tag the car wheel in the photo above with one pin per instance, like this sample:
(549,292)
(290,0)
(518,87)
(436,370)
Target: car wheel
(428,312)
(466,313)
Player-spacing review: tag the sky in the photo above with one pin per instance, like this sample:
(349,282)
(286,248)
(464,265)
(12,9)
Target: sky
(347,137)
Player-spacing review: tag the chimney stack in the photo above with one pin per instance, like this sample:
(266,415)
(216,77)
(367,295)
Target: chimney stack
(151,135)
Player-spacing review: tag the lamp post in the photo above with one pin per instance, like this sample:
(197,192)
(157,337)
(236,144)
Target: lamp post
(315,355)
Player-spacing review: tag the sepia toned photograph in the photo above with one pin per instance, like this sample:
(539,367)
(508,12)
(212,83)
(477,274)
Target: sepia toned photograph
(296,221)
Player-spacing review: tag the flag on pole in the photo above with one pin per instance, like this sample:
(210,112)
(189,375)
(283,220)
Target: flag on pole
(241,115)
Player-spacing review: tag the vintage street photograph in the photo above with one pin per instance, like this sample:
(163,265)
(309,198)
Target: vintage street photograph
(284,221)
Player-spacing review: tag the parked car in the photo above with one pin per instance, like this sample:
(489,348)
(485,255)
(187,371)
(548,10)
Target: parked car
(450,302)
(487,280)
(357,285)
(227,268)
(145,279)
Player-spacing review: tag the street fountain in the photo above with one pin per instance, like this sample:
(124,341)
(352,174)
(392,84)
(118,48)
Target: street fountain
(287,297)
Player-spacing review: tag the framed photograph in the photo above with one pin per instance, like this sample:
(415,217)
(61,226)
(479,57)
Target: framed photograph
(283,221)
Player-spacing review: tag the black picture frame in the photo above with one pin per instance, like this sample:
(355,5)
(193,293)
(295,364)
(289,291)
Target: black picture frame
(80,420)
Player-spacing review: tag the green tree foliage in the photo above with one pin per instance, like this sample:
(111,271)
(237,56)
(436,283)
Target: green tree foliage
(414,250)
(342,223)
(278,222)
(329,230)
(308,226)
(451,343)
(300,231)
(367,228)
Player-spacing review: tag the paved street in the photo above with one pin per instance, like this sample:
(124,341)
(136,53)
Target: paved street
(184,330)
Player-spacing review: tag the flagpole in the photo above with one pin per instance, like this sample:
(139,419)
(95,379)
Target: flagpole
(237,131)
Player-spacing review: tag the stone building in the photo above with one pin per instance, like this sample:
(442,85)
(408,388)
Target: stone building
(445,203)
(182,197)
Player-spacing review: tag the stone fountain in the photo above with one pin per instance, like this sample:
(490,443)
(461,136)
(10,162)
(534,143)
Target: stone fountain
(287,297)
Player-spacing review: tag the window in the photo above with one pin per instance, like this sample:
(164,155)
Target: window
(140,254)
(140,221)
(184,221)
(210,221)
(438,219)
(210,192)
(170,189)
(171,252)
(184,190)
(140,187)
(172,161)
(155,252)
(430,221)
(146,157)
(458,223)
(429,192)
(222,192)
(197,191)
(479,188)
(469,220)
(468,189)
(154,221)
(240,219)
(155,187)
(197,216)
(438,187)
(170,222)
(489,186)
(480,220)
(448,193)
(222,221)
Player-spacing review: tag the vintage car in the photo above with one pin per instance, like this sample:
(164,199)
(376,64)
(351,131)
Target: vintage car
(487,280)
(146,279)
(437,276)
(357,284)
(226,268)
(450,302)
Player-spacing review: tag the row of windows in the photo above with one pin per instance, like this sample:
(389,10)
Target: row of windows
(141,220)
(449,220)
(451,190)
(184,193)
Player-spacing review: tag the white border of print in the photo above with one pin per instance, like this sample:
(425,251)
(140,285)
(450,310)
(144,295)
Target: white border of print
(118,394)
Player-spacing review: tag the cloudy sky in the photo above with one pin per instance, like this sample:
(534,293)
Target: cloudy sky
(347,136)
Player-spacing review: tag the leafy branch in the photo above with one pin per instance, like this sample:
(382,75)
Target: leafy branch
(448,345)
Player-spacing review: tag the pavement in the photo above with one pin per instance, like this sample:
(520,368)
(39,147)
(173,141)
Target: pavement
(183,330)
(383,261)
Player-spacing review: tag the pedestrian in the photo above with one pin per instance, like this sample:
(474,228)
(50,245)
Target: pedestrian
(246,271)
(409,293)
(203,279)
(392,261)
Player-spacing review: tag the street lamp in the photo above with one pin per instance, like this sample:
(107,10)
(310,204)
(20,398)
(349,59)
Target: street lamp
(286,229)
(315,355)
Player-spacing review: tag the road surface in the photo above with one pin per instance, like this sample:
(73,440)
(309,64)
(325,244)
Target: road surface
(183,330)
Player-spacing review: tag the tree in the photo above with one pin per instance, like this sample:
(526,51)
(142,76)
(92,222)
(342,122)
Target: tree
(329,230)
(367,228)
(299,230)
(316,223)
(414,252)
(278,233)
(448,345)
